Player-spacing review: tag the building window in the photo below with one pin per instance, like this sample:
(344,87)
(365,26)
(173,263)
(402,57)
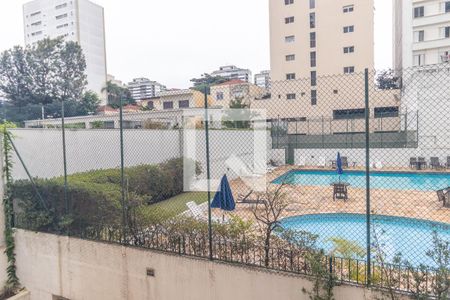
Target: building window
(290,76)
(61,6)
(419,12)
(419,60)
(312,4)
(312,40)
(289,20)
(289,39)
(168,105)
(312,20)
(290,57)
(446,32)
(447,6)
(313,78)
(445,56)
(349,49)
(61,16)
(288,2)
(345,114)
(348,8)
(36,23)
(35,14)
(36,33)
(291,96)
(348,29)
(419,36)
(150,105)
(219,96)
(62,26)
(313,59)
(313,97)
(183,104)
(349,70)
(386,112)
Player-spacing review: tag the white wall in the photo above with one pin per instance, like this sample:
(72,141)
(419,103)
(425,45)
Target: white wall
(41,149)
(76,269)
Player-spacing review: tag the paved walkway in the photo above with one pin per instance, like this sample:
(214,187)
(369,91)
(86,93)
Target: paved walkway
(315,200)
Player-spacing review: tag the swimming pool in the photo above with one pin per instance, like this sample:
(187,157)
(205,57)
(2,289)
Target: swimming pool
(410,237)
(378,180)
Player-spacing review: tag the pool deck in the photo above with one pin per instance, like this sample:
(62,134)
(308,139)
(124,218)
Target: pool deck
(316,200)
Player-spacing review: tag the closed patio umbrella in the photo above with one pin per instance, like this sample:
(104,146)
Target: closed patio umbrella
(224,197)
(339,169)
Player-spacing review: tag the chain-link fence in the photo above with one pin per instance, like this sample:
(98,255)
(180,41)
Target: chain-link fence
(347,175)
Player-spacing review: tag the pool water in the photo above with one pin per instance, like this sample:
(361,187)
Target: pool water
(410,237)
(378,180)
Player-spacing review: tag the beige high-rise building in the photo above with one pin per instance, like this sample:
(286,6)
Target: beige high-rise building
(319,51)
(310,38)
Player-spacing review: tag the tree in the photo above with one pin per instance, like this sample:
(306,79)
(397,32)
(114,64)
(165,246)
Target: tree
(206,81)
(239,115)
(44,75)
(70,67)
(53,70)
(115,93)
(72,108)
(388,80)
(89,103)
(15,80)
(268,212)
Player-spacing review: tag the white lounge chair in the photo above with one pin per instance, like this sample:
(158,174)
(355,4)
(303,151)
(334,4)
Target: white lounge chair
(197,213)
(243,170)
(301,162)
(322,163)
(195,210)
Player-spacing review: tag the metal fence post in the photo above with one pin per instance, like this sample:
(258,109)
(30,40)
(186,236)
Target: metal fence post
(208,175)
(66,200)
(122,172)
(367,115)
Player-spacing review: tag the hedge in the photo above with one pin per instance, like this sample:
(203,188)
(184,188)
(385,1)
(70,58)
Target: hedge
(95,196)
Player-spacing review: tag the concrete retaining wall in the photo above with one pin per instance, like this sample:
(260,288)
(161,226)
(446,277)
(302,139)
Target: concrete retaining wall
(77,269)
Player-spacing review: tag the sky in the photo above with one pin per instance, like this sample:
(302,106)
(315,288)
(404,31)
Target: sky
(174,41)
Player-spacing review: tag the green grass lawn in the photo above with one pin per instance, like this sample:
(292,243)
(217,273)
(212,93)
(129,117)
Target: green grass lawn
(174,206)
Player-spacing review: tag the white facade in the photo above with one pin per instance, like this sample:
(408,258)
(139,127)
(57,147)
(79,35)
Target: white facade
(262,79)
(426,93)
(144,88)
(233,72)
(421,32)
(77,20)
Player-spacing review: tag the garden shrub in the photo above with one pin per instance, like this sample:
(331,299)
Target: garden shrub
(94,197)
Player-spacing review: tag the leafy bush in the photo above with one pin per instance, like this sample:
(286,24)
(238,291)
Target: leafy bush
(95,197)
(88,202)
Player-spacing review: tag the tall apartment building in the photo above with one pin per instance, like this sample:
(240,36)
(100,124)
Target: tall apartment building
(233,72)
(319,50)
(421,32)
(144,88)
(80,21)
(324,37)
(262,79)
